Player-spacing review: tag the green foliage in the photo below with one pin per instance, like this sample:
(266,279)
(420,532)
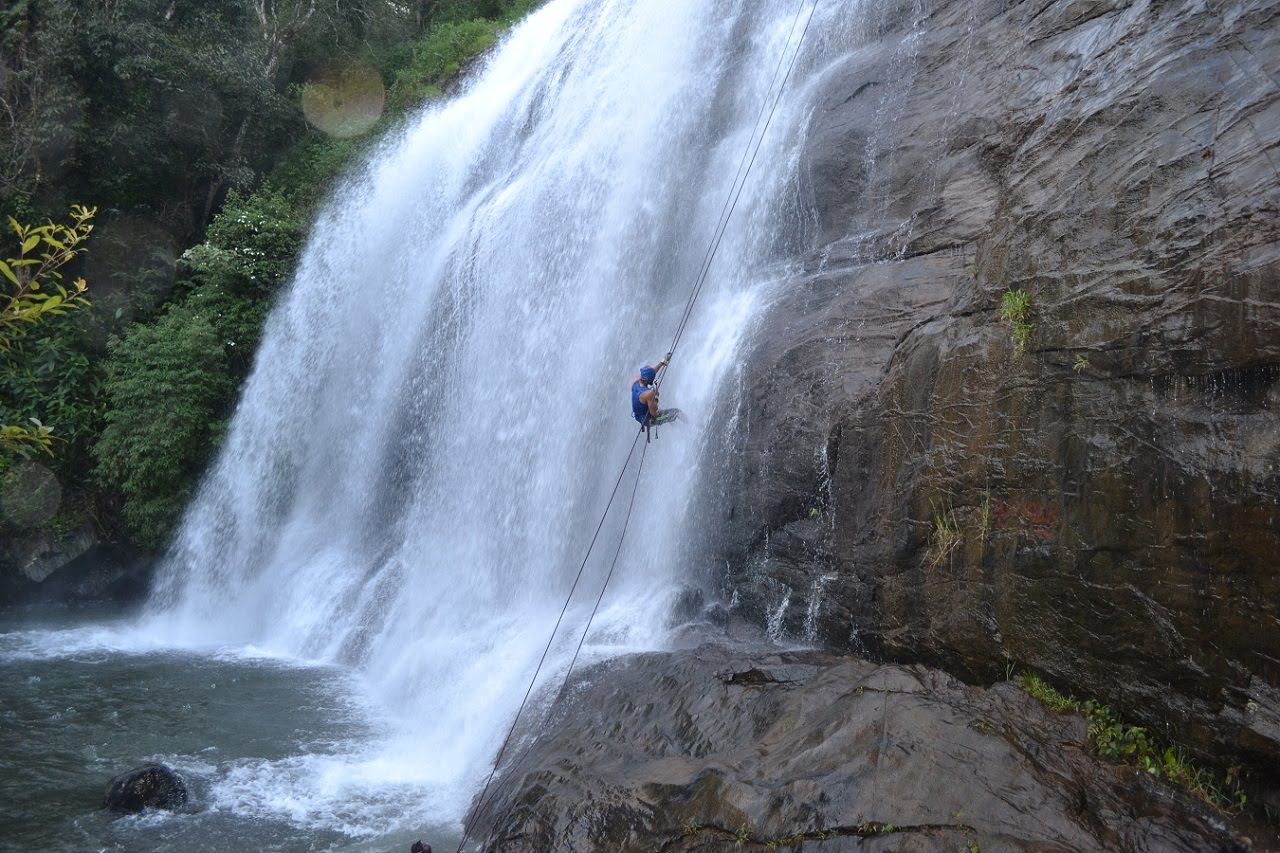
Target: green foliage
(306,172)
(1015,307)
(168,389)
(24,439)
(170,385)
(439,58)
(946,536)
(1040,689)
(31,292)
(461,31)
(130,102)
(32,281)
(1115,740)
(50,388)
(1118,741)
(150,103)
(1081,363)
(249,254)
(251,246)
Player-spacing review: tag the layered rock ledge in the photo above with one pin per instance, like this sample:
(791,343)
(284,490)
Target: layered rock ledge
(713,750)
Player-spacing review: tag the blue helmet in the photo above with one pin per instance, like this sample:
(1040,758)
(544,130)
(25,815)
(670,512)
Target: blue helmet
(647,373)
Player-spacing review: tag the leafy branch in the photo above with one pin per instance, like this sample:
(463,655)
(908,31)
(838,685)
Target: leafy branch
(31,276)
(33,290)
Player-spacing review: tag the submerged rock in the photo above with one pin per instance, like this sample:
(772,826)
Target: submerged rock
(706,750)
(151,786)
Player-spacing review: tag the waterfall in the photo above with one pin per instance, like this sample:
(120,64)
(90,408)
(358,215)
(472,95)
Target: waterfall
(440,404)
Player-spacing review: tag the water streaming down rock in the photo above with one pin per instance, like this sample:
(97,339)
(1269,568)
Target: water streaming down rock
(439,406)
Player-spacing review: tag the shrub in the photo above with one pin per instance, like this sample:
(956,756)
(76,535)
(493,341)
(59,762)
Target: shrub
(168,391)
(251,246)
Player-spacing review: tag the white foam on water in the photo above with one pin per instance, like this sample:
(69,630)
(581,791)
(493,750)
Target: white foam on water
(346,794)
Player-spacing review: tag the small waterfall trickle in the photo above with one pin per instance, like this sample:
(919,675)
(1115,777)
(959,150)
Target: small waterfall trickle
(440,403)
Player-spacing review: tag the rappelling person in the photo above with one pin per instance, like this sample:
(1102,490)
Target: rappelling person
(644,397)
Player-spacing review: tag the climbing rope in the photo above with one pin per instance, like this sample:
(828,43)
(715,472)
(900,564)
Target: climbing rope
(740,179)
(726,214)
(482,802)
(497,762)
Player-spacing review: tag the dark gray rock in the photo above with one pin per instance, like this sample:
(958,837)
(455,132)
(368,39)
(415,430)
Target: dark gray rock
(1105,507)
(28,558)
(707,750)
(151,786)
(97,573)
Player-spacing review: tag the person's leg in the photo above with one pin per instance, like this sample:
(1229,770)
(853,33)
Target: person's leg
(665,416)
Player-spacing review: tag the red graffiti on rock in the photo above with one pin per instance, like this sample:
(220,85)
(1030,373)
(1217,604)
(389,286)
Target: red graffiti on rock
(1035,518)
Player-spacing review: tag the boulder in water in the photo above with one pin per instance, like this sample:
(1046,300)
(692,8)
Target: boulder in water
(150,786)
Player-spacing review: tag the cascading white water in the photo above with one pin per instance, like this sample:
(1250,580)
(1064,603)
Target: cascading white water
(441,402)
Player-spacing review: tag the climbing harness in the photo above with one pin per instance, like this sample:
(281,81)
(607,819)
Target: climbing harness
(485,799)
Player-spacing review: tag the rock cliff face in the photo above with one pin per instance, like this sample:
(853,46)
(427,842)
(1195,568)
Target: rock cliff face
(1102,507)
(710,750)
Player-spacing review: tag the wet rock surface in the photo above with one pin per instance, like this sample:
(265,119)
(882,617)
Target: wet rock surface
(150,786)
(713,750)
(70,570)
(1104,507)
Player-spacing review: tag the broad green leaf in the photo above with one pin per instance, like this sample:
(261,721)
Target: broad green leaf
(30,244)
(8,273)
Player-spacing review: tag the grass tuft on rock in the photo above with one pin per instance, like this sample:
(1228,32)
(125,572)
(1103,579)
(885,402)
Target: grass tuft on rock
(1116,740)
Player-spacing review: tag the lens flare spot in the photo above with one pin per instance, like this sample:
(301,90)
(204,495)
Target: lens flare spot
(29,494)
(343,98)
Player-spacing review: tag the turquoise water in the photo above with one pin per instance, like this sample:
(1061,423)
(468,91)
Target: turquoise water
(277,754)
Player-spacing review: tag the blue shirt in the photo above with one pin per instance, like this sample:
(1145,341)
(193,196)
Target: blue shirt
(639,410)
